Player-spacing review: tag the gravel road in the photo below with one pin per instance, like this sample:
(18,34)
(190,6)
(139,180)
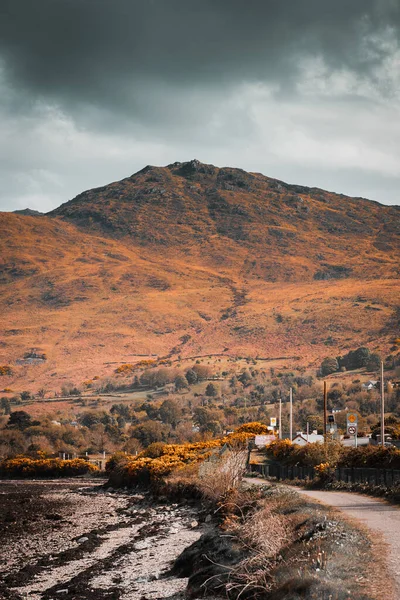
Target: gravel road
(376,514)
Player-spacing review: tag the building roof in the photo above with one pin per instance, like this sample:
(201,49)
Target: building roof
(312,437)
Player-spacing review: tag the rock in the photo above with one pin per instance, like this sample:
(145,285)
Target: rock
(174,530)
(141,545)
(82,540)
(194,524)
(208,519)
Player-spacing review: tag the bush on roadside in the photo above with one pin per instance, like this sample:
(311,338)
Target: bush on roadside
(334,454)
(160,460)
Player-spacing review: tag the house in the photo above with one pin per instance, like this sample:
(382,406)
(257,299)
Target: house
(263,440)
(302,439)
(370,385)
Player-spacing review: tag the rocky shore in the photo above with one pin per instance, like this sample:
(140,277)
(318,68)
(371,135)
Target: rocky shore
(76,539)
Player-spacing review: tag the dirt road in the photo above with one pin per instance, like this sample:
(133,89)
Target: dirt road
(378,515)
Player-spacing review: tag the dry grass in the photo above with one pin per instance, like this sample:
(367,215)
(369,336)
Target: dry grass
(294,549)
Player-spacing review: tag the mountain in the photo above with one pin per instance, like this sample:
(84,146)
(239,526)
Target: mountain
(245,221)
(191,259)
(29,212)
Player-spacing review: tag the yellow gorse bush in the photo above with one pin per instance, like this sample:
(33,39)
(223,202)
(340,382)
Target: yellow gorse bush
(171,457)
(45,467)
(322,468)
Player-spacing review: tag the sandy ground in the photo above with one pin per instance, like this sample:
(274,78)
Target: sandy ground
(78,541)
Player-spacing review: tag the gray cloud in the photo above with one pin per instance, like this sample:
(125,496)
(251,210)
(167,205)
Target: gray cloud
(91,90)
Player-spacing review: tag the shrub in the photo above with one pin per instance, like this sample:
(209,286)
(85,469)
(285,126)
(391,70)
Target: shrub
(160,460)
(5,370)
(255,427)
(124,369)
(45,467)
(333,454)
(211,390)
(329,365)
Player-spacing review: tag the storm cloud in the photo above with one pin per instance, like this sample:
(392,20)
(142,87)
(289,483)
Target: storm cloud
(92,90)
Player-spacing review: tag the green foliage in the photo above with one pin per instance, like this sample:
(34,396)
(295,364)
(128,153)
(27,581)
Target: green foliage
(373,363)
(329,365)
(181,383)
(334,455)
(211,390)
(20,419)
(170,412)
(5,405)
(149,432)
(191,376)
(355,359)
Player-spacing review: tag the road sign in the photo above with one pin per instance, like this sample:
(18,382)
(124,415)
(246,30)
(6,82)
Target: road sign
(273,421)
(352,430)
(352,418)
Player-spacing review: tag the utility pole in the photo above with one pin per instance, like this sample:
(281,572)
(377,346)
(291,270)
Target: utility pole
(280,418)
(291,414)
(382,407)
(308,430)
(325,410)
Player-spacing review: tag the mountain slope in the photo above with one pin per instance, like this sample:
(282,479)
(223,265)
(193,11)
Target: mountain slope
(230,218)
(191,259)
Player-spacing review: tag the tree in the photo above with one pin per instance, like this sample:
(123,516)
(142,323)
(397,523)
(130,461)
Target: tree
(245,378)
(25,395)
(191,376)
(211,390)
(355,359)
(5,405)
(181,383)
(329,365)
(121,409)
(213,427)
(202,371)
(316,423)
(373,363)
(90,418)
(19,419)
(150,432)
(170,412)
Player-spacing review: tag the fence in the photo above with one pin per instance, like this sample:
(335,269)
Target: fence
(385,477)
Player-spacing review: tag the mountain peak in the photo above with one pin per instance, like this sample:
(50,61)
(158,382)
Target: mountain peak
(192,167)
(30,212)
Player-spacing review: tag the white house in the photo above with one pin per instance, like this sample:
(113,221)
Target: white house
(301,439)
(370,385)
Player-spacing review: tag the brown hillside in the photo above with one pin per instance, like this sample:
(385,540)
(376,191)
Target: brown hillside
(244,221)
(191,259)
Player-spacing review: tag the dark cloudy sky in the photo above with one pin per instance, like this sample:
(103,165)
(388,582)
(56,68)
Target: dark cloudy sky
(93,90)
